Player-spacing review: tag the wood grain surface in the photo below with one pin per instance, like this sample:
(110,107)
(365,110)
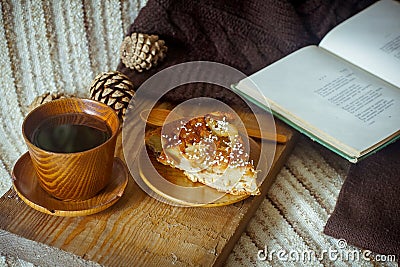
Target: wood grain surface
(25,183)
(137,230)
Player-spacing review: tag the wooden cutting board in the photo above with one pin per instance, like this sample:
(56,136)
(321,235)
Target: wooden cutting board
(137,231)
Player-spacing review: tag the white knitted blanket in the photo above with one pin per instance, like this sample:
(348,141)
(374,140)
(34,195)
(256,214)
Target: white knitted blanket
(60,46)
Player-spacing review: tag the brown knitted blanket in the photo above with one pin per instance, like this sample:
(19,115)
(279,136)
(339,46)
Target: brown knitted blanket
(249,35)
(367,213)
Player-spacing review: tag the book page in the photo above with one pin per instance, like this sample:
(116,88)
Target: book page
(331,98)
(370,40)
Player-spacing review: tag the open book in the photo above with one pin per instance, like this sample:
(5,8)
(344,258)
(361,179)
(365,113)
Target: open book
(344,93)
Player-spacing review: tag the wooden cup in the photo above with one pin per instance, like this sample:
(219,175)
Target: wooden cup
(72,176)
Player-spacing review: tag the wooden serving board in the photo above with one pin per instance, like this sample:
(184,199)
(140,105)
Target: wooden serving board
(137,231)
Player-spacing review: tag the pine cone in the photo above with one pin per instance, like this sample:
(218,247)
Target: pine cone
(114,89)
(46,97)
(142,51)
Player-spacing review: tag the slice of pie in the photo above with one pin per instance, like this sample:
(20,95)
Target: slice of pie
(209,150)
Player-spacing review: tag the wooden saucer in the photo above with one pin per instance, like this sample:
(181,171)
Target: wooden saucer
(28,189)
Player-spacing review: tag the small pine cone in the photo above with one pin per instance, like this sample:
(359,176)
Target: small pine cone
(46,97)
(114,89)
(142,51)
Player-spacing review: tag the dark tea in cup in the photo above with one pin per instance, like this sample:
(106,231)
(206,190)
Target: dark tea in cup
(70,133)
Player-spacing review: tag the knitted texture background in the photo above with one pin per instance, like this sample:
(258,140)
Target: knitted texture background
(368,204)
(245,35)
(62,45)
